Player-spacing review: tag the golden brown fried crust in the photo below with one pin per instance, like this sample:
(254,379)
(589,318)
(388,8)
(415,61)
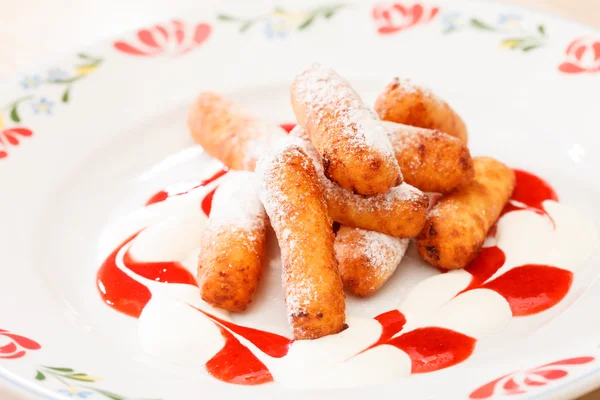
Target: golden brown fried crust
(347,159)
(431,160)
(366,259)
(400,212)
(458,224)
(312,286)
(418,107)
(400,217)
(229,133)
(230,265)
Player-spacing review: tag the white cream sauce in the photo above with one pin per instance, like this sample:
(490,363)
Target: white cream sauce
(174,332)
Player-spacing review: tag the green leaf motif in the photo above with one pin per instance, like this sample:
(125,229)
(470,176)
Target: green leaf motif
(83,55)
(541,30)
(530,47)
(59,369)
(65,96)
(82,377)
(329,13)
(475,23)
(246,25)
(307,22)
(14,114)
(69,80)
(106,393)
(225,17)
(39,376)
(95,63)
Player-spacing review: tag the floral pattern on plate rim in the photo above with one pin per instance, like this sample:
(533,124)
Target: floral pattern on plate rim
(516,35)
(17,346)
(10,136)
(278,23)
(396,17)
(75,383)
(581,56)
(521,382)
(399,16)
(178,38)
(173,38)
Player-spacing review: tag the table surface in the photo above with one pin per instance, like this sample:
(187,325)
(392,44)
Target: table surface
(32,25)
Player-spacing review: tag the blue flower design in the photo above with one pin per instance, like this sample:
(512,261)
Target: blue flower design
(276,27)
(31,82)
(509,19)
(84,394)
(43,106)
(451,21)
(57,74)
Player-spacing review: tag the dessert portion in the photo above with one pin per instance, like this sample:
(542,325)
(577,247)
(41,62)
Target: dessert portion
(232,250)
(401,211)
(355,150)
(459,222)
(343,163)
(228,132)
(405,102)
(367,259)
(430,159)
(512,248)
(312,287)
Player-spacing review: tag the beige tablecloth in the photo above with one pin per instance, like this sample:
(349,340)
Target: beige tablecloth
(32,31)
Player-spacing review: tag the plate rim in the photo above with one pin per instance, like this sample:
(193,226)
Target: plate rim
(23,383)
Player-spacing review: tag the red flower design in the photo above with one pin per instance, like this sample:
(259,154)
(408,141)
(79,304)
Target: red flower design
(10,137)
(583,55)
(172,38)
(396,17)
(17,345)
(522,381)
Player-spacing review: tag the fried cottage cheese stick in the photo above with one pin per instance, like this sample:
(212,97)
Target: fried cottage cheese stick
(293,200)
(407,103)
(400,212)
(227,132)
(354,148)
(430,160)
(459,222)
(367,259)
(233,244)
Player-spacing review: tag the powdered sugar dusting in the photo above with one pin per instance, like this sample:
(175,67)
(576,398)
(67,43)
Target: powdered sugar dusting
(273,154)
(236,203)
(259,136)
(333,192)
(276,202)
(394,127)
(319,89)
(387,201)
(403,137)
(383,251)
(408,86)
(284,216)
(297,131)
(300,295)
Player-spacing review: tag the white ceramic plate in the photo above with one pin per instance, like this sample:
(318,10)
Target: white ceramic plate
(86,141)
